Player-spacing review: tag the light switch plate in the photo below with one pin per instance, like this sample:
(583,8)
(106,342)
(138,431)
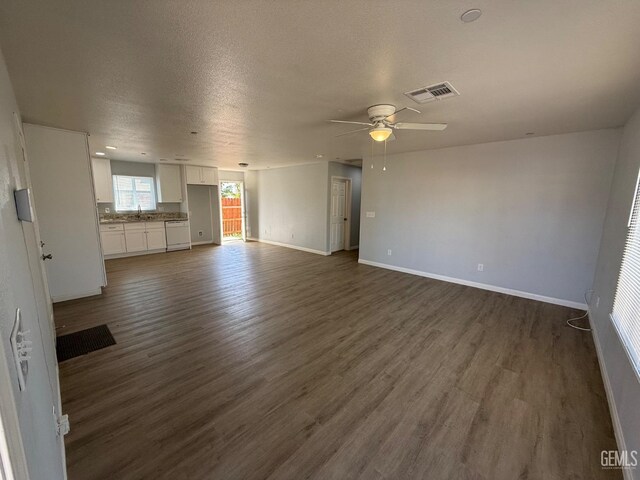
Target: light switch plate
(371,214)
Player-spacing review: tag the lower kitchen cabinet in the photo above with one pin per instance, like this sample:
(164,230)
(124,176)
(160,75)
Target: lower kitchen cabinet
(136,237)
(112,239)
(113,243)
(136,240)
(156,236)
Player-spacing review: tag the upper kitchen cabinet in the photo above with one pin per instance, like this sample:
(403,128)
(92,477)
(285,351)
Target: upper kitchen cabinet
(102,180)
(202,175)
(169,183)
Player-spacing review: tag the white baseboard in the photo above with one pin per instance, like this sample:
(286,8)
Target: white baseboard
(295,247)
(64,298)
(613,411)
(206,242)
(483,286)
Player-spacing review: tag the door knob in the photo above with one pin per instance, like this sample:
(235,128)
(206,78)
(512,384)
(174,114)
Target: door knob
(47,257)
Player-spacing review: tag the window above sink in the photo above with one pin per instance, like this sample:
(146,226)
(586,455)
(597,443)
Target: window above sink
(132,192)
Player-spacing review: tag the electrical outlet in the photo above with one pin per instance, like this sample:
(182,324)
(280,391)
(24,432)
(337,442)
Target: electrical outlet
(371,214)
(107,210)
(481,267)
(200,233)
(389,252)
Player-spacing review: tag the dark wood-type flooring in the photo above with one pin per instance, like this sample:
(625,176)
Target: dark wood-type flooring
(250,361)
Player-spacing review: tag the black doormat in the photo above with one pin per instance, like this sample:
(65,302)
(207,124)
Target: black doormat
(83,342)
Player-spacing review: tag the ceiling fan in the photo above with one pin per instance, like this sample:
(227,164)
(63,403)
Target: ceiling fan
(381,129)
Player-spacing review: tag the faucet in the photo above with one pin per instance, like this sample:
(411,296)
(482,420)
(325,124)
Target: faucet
(139,211)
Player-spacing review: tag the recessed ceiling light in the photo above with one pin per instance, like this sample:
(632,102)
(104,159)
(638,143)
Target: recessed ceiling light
(319,155)
(243,164)
(471,15)
(109,147)
(100,154)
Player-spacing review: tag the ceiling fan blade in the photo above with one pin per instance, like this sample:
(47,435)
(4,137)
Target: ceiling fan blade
(354,123)
(420,126)
(352,131)
(402,109)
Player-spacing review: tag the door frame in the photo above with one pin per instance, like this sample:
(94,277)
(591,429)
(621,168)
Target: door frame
(40,275)
(243,209)
(347,228)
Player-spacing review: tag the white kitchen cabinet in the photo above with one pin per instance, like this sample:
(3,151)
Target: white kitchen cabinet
(169,183)
(202,175)
(113,243)
(144,236)
(102,180)
(136,241)
(193,175)
(156,236)
(112,239)
(136,237)
(209,176)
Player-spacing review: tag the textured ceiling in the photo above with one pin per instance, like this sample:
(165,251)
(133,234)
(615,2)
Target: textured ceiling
(259,79)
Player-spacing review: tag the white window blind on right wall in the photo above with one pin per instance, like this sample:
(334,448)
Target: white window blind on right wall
(626,304)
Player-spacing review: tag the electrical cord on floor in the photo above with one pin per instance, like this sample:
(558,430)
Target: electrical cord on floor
(586,314)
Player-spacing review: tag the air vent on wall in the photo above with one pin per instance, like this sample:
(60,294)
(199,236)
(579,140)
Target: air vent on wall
(432,92)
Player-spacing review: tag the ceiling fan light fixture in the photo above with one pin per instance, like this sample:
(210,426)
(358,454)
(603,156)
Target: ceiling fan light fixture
(380,134)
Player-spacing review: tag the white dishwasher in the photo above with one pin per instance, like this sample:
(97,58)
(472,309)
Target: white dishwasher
(178,234)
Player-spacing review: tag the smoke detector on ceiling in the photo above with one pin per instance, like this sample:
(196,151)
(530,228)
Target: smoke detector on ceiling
(438,91)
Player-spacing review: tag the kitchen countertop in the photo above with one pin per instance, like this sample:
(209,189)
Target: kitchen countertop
(107,218)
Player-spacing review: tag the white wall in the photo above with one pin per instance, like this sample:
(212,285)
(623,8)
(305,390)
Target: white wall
(616,367)
(289,205)
(530,210)
(34,406)
(204,213)
(355,174)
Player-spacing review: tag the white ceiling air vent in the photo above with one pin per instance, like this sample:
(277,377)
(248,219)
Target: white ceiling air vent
(432,92)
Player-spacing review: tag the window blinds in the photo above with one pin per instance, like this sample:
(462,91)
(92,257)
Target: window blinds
(626,304)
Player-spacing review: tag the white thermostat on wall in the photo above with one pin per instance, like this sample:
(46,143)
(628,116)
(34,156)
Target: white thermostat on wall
(23,205)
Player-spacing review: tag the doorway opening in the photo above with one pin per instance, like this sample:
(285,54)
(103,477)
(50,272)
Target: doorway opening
(232,208)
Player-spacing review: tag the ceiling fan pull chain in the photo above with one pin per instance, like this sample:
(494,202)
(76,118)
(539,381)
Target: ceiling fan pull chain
(372,153)
(384,166)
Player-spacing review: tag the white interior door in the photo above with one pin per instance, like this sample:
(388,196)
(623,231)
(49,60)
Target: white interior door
(338,214)
(60,170)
